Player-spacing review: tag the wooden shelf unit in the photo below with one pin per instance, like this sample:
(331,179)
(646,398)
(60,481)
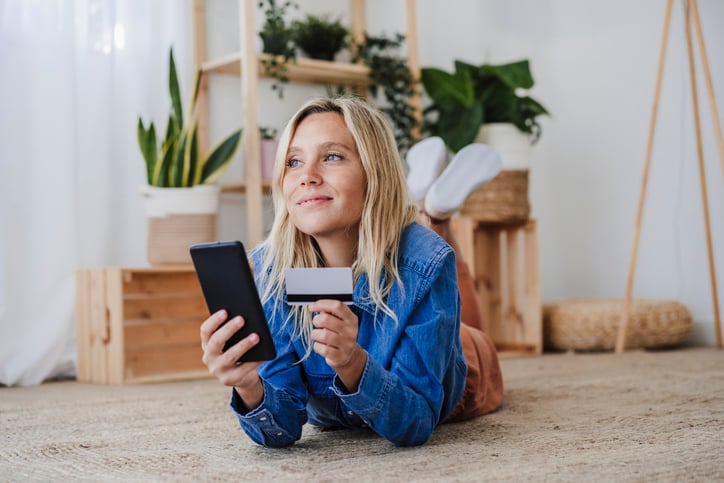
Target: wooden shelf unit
(247,63)
(309,71)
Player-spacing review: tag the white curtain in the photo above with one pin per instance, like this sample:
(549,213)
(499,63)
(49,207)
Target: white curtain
(74,77)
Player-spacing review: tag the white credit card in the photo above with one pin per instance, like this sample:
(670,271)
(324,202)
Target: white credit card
(307,285)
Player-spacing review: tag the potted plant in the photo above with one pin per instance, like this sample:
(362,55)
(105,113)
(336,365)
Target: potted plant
(488,103)
(276,41)
(472,96)
(319,37)
(179,196)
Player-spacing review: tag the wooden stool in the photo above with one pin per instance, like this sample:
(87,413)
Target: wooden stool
(510,301)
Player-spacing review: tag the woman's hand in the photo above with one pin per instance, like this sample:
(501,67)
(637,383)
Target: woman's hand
(334,337)
(222,365)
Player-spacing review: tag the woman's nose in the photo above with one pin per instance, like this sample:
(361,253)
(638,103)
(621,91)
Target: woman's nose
(310,174)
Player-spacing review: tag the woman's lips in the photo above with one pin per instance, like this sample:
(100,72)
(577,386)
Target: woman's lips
(313,200)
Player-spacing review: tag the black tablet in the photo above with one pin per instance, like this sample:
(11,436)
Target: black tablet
(227,283)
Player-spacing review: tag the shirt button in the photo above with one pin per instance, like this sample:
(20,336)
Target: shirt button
(279,433)
(263,418)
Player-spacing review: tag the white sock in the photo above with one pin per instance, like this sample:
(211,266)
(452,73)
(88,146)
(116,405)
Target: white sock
(425,160)
(470,168)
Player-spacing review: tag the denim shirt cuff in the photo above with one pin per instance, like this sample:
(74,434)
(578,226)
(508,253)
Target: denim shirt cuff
(260,423)
(240,409)
(371,393)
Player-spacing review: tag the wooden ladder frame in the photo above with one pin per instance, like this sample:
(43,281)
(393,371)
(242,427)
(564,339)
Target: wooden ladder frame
(692,15)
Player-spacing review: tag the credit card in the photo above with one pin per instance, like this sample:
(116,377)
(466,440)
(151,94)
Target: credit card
(307,285)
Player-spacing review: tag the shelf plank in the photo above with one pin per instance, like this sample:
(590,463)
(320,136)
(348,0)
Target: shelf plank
(310,71)
(240,187)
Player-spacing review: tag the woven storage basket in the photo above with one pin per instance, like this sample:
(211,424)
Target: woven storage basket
(170,237)
(592,324)
(502,200)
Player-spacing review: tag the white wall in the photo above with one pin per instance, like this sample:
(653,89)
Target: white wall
(595,64)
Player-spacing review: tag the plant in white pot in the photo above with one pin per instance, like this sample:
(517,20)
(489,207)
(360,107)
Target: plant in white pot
(180,197)
(488,104)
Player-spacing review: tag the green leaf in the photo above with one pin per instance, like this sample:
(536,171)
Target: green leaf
(147,143)
(172,131)
(177,167)
(515,75)
(161,173)
(195,92)
(175,91)
(532,107)
(191,155)
(458,127)
(219,158)
(447,89)
(499,102)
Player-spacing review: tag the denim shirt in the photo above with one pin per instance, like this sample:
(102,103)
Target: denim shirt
(415,370)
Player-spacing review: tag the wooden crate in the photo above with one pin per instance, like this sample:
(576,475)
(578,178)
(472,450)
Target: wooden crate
(503,260)
(139,325)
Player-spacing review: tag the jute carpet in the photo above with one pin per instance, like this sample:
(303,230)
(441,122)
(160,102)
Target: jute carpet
(638,416)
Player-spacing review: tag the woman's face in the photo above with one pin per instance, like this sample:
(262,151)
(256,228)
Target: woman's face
(324,183)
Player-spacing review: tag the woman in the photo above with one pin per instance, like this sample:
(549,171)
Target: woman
(395,360)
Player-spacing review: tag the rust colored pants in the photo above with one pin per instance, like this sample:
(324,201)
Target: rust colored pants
(484,381)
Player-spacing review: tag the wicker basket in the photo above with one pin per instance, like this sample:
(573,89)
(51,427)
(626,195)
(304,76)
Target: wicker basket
(503,200)
(592,324)
(170,237)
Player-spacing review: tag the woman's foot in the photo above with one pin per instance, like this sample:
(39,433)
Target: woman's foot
(424,160)
(470,168)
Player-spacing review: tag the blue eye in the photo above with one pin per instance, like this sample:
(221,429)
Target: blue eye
(293,163)
(332,157)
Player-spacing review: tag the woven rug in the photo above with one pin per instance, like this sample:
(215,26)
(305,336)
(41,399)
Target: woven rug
(637,416)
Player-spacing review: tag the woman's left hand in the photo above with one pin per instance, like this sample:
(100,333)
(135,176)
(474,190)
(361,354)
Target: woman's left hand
(334,337)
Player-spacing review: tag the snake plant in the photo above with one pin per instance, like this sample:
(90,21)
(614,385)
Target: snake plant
(178,162)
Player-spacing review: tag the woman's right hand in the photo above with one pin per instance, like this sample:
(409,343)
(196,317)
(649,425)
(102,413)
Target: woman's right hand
(222,365)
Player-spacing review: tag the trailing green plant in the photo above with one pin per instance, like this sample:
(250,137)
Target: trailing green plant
(390,73)
(177,162)
(474,95)
(277,42)
(320,37)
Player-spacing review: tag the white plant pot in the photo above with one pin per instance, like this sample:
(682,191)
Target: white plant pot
(513,146)
(177,219)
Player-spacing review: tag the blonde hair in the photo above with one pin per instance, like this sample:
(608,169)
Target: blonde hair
(386,211)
